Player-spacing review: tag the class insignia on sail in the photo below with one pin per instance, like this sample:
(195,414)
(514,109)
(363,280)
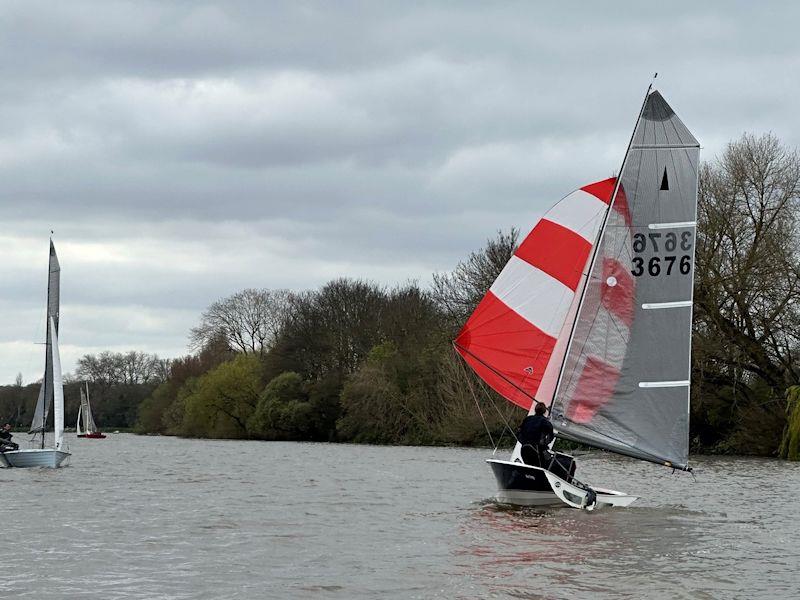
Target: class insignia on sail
(592,316)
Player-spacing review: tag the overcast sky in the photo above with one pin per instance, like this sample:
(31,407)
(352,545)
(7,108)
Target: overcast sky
(182,151)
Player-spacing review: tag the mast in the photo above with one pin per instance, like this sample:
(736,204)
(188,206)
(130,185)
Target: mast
(596,245)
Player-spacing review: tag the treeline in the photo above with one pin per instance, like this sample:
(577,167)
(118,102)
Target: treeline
(118,383)
(747,298)
(352,361)
(355,361)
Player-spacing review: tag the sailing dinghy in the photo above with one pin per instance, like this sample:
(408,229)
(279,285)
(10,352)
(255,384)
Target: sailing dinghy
(51,392)
(592,317)
(85,426)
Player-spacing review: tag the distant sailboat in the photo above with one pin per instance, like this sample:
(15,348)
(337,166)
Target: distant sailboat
(592,318)
(85,425)
(52,390)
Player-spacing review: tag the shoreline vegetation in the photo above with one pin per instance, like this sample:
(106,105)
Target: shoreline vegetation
(358,362)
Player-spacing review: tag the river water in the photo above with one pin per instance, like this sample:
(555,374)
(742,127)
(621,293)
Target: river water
(160,517)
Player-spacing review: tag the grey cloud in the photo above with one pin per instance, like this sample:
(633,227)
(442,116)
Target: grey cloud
(185,150)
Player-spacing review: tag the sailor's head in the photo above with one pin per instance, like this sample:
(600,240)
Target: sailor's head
(7,427)
(540,408)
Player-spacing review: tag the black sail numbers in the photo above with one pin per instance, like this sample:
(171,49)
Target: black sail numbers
(658,254)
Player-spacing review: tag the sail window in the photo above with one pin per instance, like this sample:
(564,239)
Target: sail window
(664,181)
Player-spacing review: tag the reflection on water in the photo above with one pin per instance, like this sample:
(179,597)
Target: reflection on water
(534,552)
(150,517)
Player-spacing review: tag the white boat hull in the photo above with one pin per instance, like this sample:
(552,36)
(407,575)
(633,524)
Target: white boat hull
(36,457)
(525,485)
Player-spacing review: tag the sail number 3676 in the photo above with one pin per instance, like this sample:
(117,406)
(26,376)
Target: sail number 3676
(662,265)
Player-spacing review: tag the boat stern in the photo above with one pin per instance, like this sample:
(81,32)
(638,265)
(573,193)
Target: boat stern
(521,484)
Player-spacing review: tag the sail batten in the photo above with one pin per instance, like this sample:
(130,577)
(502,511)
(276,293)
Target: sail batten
(671,225)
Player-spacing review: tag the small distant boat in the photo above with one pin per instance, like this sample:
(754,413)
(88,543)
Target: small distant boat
(51,392)
(592,318)
(85,426)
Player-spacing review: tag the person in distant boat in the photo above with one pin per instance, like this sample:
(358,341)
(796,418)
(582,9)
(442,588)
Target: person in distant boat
(535,434)
(5,439)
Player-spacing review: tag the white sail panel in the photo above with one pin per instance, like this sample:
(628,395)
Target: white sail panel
(580,212)
(58,392)
(79,427)
(529,292)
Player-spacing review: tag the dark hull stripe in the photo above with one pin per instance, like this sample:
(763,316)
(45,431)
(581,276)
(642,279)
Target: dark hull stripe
(520,477)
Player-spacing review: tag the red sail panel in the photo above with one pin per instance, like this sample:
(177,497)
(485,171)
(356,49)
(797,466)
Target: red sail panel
(556,250)
(595,386)
(510,338)
(505,350)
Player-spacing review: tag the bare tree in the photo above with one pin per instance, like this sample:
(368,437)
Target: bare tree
(122,368)
(457,293)
(331,330)
(248,321)
(748,282)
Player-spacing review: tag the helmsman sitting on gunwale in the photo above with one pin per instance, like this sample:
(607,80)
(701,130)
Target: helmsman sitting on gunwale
(535,434)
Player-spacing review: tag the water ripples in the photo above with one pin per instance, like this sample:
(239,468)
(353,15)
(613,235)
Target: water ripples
(155,517)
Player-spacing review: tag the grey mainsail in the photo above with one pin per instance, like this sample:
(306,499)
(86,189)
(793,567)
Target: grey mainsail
(624,384)
(45,399)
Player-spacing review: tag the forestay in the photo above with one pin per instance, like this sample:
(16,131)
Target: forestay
(624,385)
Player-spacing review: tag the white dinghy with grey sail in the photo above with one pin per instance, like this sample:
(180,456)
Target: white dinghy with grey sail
(51,391)
(592,318)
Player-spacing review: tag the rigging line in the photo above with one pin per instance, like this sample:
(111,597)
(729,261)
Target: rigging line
(489,396)
(499,412)
(477,404)
(495,371)
(499,441)
(599,238)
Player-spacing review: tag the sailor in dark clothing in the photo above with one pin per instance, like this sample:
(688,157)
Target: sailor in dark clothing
(535,435)
(5,439)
